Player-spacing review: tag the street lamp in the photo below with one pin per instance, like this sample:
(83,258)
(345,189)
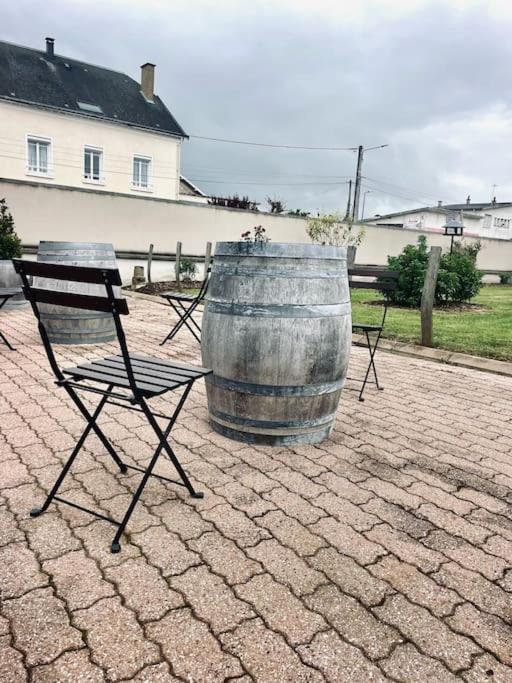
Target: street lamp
(364,199)
(453,228)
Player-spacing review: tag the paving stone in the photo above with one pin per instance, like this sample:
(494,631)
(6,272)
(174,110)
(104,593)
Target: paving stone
(442,498)
(235,525)
(501,547)
(487,669)
(498,523)
(343,487)
(346,512)
(280,609)
(348,541)
(418,587)
(286,566)
(405,547)
(398,518)
(297,482)
(115,639)
(266,655)
(475,588)
(181,637)
(353,622)
(484,500)
(165,550)
(392,493)
(211,600)
(491,632)
(506,581)
(19,571)
(77,579)
(454,524)
(181,519)
(294,505)
(350,576)
(251,478)
(245,499)
(141,519)
(9,531)
(40,626)
(339,661)
(157,673)
(224,557)
(71,667)
(13,473)
(430,635)
(49,535)
(408,665)
(12,669)
(291,533)
(467,555)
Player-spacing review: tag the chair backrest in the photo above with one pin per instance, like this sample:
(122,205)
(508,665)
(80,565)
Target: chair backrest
(205,283)
(109,277)
(382,280)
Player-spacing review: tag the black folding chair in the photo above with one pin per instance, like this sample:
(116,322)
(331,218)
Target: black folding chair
(135,378)
(386,281)
(185,305)
(7,293)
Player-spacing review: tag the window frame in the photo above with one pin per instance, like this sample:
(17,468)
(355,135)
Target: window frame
(49,166)
(137,186)
(91,180)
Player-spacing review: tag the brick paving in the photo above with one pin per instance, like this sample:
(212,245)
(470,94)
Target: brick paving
(382,554)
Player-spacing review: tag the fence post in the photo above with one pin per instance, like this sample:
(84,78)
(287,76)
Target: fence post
(150,260)
(427,296)
(177,265)
(351,256)
(207,258)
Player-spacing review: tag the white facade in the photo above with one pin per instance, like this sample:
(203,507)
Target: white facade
(492,221)
(56,148)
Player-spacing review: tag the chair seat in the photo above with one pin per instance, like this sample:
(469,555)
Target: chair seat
(7,292)
(367,328)
(178,297)
(153,376)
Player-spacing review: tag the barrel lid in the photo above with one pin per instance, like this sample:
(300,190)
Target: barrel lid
(281,250)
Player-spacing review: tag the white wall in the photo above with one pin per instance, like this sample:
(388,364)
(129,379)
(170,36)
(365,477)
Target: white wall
(132,223)
(69,133)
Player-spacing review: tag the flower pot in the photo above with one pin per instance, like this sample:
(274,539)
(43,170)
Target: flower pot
(277,333)
(10,278)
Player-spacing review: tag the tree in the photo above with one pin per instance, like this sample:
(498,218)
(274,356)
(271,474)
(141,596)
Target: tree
(333,229)
(275,205)
(10,243)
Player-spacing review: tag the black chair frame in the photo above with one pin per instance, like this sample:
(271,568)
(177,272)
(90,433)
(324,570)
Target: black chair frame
(184,306)
(7,293)
(141,377)
(386,282)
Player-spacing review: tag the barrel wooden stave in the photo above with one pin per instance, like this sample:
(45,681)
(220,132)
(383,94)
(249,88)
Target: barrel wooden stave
(277,334)
(66,325)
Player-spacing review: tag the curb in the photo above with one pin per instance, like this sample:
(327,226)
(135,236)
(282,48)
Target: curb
(462,360)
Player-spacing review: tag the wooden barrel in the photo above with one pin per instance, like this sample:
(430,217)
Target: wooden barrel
(9,279)
(277,333)
(73,325)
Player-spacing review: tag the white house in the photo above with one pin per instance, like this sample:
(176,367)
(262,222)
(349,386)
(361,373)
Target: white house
(487,219)
(73,124)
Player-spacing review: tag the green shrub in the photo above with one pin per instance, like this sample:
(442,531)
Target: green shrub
(187,268)
(458,279)
(505,278)
(10,243)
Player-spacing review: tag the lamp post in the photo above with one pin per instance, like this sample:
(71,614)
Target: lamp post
(453,228)
(364,199)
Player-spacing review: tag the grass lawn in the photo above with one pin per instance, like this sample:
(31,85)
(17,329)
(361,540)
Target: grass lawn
(481,333)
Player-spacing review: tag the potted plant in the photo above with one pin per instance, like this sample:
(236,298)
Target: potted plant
(10,247)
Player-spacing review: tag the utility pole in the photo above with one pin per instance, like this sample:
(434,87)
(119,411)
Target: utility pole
(357,188)
(347,214)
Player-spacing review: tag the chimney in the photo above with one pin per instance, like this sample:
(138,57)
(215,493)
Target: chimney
(494,201)
(50,54)
(147,81)
(440,202)
(468,200)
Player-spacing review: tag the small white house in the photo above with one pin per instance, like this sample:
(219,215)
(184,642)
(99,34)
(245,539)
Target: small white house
(65,122)
(487,219)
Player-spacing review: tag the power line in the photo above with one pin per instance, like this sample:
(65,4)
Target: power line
(266,144)
(251,182)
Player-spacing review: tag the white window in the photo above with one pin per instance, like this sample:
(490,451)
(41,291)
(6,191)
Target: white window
(38,155)
(93,164)
(141,173)
(487,220)
(501,222)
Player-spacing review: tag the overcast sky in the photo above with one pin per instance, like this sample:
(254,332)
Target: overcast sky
(430,78)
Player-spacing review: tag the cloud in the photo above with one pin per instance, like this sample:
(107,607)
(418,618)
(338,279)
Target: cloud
(428,77)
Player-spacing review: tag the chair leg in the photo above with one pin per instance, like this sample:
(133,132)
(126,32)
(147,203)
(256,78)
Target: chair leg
(163,444)
(6,342)
(90,422)
(185,310)
(183,316)
(371,365)
(99,433)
